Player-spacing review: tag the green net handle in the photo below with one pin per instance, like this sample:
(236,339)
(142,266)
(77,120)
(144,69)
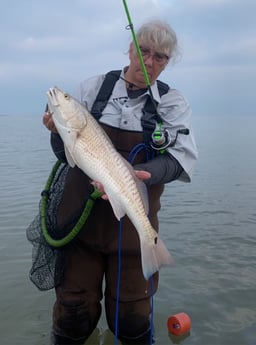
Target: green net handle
(81,221)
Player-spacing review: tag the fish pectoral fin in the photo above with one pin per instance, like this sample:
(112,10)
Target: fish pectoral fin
(70,160)
(116,206)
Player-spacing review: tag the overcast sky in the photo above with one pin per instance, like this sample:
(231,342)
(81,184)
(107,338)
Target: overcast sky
(61,42)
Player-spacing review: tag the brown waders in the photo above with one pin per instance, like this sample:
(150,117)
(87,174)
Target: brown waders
(93,258)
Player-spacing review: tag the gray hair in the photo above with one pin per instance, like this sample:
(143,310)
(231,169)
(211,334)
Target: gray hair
(161,37)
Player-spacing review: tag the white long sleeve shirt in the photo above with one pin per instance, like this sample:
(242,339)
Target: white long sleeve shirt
(125,113)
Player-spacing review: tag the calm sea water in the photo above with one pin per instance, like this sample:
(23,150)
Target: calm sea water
(208,225)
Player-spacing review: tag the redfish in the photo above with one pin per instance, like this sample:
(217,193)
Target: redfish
(88,146)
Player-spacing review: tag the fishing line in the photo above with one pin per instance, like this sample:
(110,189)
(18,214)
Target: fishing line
(151,321)
(137,149)
(120,225)
(131,158)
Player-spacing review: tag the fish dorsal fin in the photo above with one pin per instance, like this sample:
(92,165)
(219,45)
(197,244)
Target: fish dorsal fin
(142,188)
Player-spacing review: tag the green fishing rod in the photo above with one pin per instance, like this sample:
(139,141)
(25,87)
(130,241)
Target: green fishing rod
(136,43)
(160,137)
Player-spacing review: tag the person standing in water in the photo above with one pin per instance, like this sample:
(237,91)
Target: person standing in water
(92,256)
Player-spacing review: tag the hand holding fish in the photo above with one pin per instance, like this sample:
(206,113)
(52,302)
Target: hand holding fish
(141,174)
(48,122)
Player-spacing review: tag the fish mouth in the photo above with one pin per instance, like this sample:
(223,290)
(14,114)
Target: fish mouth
(52,97)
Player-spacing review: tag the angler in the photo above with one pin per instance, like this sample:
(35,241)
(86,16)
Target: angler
(77,270)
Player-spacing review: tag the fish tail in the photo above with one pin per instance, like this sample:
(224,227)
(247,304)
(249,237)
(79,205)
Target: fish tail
(154,257)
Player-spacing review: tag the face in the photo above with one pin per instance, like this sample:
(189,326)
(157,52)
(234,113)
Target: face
(155,62)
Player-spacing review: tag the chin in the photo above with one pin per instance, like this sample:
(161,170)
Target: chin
(142,80)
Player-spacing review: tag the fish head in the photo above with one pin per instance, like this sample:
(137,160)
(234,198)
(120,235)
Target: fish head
(69,117)
(66,111)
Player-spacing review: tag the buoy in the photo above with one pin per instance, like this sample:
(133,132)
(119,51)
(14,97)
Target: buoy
(179,324)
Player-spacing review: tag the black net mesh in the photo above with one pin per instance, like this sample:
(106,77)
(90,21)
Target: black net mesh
(48,262)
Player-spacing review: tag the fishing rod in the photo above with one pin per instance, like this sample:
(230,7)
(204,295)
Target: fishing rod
(136,43)
(160,137)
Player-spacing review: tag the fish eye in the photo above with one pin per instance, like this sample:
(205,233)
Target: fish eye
(66,96)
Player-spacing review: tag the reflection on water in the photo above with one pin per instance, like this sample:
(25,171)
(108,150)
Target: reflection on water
(208,225)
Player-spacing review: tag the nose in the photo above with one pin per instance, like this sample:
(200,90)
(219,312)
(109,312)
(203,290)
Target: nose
(148,60)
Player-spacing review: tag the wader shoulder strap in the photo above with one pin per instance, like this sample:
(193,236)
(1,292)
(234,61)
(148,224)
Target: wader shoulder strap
(104,93)
(149,117)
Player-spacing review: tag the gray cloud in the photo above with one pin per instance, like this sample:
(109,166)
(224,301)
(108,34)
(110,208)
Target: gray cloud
(44,43)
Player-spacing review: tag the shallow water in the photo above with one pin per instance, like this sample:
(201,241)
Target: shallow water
(208,225)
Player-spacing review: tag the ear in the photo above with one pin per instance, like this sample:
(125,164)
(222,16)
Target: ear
(165,65)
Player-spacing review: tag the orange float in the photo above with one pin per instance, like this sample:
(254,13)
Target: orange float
(179,324)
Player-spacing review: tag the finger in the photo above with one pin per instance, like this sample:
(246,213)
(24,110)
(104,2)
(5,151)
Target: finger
(48,122)
(142,174)
(46,118)
(52,127)
(99,186)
